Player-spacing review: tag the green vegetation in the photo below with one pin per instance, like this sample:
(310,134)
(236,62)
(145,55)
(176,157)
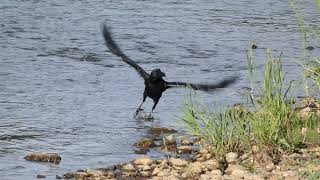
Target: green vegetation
(272,123)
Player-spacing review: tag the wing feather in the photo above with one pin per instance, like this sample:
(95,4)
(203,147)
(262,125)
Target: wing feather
(114,48)
(203,87)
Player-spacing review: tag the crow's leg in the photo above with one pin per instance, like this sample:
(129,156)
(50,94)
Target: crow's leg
(139,108)
(155,104)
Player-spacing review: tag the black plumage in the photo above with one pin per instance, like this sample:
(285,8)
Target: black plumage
(155,85)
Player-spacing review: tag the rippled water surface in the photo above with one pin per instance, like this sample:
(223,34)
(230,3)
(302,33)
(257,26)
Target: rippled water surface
(61,91)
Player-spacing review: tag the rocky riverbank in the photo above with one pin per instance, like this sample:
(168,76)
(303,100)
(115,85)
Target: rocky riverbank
(188,158)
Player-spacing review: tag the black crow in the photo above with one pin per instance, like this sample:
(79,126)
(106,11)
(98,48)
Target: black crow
(154,84)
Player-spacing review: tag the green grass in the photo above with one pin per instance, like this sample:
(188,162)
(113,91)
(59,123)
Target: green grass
(272,123)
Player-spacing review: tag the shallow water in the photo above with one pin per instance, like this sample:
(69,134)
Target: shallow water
(61,91)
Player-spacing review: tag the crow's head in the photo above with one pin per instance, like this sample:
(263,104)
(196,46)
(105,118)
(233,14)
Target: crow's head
(157,73)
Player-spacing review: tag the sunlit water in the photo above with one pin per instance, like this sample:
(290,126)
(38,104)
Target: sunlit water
(61,91)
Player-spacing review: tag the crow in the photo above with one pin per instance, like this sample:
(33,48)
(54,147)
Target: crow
(154,83)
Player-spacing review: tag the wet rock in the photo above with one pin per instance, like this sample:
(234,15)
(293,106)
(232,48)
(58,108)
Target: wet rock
(143,161)
(254,46)
(162,130)
(310,48)
(68,176)
(141,151)
(178,162)
(185,141)
(184,149)
(169,140)
(128,167)
(58,177)
(145,143)
(231,157)
(44,157)
(39,176)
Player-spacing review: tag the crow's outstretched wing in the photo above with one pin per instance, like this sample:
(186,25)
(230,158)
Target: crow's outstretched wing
(113,47)
(203,87)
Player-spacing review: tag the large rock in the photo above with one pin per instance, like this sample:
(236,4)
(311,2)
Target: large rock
(44,157)
(143,161)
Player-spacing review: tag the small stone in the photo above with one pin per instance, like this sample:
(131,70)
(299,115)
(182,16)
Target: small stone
(255,149)
(111,175)
(201,159)
(216,172)
(44,157)
(289,173)
(141,151)
(146,168)
(231,157)
(161,130)
(185,141)
(196,167)
(238,174)
(164,164)
(143,161)
(164,172)
(169,140)
(178,162)
(209,175)
(41,176)
(145,143)
(155,171)
(184,149)
(270,166)
(233,167)
(68,176)
(208,156)
(128,167)
(58,177)
(249,176)
(210,165)
(145,173)
(254,46)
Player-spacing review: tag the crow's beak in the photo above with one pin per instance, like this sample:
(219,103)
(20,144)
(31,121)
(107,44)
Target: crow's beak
(163,74)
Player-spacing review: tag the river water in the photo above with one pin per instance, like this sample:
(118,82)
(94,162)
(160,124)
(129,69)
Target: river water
(62,91)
